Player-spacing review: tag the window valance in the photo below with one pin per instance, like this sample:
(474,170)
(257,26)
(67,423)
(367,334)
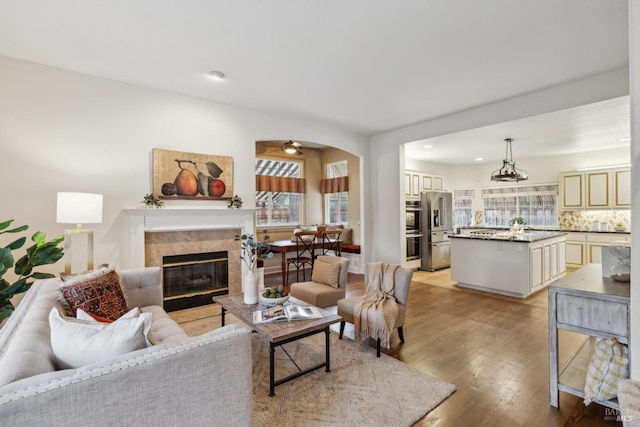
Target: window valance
(334,185)
(280,184)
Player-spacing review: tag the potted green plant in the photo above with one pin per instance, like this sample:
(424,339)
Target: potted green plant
(234,202)
(41,253)
(152,201)
(517,223)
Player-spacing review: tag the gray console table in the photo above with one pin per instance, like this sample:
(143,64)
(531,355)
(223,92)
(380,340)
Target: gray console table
(589,304)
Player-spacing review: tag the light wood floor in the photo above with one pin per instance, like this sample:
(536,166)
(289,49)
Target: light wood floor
(493,348)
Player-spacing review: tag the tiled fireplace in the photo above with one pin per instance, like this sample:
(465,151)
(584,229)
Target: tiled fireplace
(158,235)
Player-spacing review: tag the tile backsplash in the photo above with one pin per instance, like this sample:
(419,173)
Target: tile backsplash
(582,220)
(477,218)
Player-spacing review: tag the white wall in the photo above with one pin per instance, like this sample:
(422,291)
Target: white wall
(65,131)
(540,169)
(428,167)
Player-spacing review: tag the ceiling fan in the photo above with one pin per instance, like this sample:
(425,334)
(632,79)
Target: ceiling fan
(288,147)
(292,147)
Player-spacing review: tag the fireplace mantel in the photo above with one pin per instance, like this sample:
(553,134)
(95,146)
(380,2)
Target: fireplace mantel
(186,211)
(183,219)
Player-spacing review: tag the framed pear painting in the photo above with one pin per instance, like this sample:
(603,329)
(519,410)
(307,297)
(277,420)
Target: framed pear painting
(180,175)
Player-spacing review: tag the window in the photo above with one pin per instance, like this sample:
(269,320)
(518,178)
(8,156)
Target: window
(463,207)
(536,204)
(336,204)
(278,207)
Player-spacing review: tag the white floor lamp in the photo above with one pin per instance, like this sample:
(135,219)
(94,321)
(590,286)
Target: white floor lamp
(78,208)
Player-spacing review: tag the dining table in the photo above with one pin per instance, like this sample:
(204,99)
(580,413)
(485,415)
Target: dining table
(284,246)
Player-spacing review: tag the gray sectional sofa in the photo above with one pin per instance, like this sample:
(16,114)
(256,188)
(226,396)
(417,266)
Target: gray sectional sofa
(181,380)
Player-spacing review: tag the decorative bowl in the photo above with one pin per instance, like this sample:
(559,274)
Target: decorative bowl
(619,229)
(274,301)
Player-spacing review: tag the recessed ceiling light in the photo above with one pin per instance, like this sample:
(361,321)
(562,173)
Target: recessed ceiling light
(428,146)
(478,159)
(216,75)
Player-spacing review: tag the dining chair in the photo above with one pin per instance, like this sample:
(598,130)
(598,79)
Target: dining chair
(305,253)
(331,242)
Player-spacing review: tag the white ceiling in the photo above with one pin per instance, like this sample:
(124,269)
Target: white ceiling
(592,127)
(364,65)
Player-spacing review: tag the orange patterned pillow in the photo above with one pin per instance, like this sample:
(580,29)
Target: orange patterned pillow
(101,296)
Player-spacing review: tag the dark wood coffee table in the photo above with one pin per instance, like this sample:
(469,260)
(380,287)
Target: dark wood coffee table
(280,332)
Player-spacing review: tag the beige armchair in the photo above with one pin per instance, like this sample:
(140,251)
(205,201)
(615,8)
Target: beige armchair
(326,287)
(402,281)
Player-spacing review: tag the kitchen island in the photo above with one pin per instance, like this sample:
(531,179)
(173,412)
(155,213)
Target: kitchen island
(506,263)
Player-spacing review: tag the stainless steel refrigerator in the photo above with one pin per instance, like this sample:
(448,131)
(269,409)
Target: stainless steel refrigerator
(436,224)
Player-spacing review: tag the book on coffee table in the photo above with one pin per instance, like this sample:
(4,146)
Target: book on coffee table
(287,311)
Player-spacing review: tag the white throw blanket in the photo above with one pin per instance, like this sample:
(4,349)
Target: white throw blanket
(376,312)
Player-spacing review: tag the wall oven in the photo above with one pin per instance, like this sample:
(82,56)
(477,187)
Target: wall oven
(414,242)
(413,216)
(413,232)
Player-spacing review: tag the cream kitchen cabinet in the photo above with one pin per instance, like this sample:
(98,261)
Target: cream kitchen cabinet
(515,266)
(412,182)
(427,183)
(547,262)
(536,265)
(601,189)
(609,189)
(621,188)
(598,185)
(437,183)
(595,242)
(407,184)
(416,182)
(585,248)
(576,249)
(571,191)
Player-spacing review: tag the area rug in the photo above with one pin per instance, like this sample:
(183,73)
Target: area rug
(361,389)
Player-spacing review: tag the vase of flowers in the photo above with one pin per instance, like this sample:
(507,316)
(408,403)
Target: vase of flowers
(250,249)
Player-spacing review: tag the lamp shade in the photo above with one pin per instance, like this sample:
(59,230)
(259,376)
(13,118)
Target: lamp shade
(79,208)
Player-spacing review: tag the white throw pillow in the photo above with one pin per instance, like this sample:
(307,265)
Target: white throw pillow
(134,312)
(83,315)
(78,343)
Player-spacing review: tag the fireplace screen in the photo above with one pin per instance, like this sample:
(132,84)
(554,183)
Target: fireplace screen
(192,279)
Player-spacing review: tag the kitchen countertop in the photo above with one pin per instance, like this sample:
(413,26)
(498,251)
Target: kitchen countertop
(500,230)
(504,235)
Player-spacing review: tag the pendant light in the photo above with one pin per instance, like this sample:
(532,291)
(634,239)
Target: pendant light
(508,172)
